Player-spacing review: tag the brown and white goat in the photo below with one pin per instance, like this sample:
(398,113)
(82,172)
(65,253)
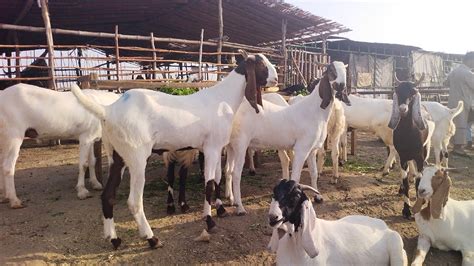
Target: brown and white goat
(445,223)
(412,131)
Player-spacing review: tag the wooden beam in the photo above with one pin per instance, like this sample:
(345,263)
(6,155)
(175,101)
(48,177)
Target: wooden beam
(220,41)
(152,39)
(200,55)
(284,51)
(117,54)
(49,40)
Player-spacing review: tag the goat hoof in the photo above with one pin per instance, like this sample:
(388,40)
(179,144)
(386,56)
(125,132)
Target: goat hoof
(252,172)
(210,223)
(318,199)
(16,204)
(171,209)
(83,194)
(241,211)
(221,212)
(154,242)
(116,242)
(97,186)
(184,208)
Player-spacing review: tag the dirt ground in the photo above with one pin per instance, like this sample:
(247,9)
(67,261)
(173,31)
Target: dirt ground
(56,227)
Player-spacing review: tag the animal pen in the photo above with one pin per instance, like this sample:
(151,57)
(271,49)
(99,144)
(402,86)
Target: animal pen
(119,56)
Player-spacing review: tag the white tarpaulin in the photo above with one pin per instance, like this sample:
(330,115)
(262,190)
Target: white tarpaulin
(431,65)
(369,71)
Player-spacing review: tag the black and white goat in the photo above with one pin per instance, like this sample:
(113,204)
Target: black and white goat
(412,131)
(183,159)
(300,238)
(445,223)
(142,120)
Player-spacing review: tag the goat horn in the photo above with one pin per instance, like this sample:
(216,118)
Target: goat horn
(418,82)
(397,81)
(310,188)
(243,53)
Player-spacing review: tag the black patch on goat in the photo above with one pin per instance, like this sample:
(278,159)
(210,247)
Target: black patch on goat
(290,198)
(108,195)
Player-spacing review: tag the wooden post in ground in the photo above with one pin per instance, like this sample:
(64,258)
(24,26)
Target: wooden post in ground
(153,76)
(284,51)
(50,43)
(117,54)
(17,57)
(200,56)
(221,36)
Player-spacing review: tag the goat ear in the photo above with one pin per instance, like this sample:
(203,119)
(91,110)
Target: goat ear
(439,198)
(395,118)
(325,92)
(274,240)
(251,87)
(308,234)
(418,204)
(244,53)
(416,112)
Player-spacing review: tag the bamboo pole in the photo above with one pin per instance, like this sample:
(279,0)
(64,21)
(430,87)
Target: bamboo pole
(221,35)
(117,54)
(135,37)
(200,55)
(50,43)
(152,39)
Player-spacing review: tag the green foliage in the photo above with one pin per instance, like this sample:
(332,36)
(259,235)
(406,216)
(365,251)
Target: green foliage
(179,91)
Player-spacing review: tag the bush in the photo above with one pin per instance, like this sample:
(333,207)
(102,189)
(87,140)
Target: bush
(179,91)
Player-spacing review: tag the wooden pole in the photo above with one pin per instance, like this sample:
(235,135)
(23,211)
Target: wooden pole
(17,53)
(284,51)
(50,43)
(221,36)
(200,55)
(117,54)
(152,39)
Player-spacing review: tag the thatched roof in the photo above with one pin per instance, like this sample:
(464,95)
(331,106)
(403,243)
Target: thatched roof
(252,22)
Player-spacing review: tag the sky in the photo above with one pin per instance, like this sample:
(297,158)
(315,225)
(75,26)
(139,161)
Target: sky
(440,26)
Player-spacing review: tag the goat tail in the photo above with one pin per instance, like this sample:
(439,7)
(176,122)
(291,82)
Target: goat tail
(397,254)
(88,103)
(455,111)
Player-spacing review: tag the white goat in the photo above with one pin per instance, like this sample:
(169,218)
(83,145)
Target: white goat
(35,112)
(445,223)
(301,127)
(142,119)
(300,238)
(374,114)
(337,136)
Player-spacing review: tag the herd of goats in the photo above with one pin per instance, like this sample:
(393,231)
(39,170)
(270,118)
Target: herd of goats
(235,117)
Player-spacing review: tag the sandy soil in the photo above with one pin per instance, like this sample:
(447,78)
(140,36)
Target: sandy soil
(56,227)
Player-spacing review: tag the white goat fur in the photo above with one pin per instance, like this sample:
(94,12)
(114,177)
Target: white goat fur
(452,231)
(53,115)
(143,119)
(352,240)
(374,115)
(301,127)
(337,136)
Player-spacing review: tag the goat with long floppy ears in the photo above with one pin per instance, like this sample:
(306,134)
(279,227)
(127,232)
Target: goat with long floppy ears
(412,131)
(142,119)
(301,127)
(300,238)
(445,223)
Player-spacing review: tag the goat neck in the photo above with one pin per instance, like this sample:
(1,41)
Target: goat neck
(230,90)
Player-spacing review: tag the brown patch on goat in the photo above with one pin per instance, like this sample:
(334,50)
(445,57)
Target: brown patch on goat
(441,184)
(325,91)
(31,133)
(256,75)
